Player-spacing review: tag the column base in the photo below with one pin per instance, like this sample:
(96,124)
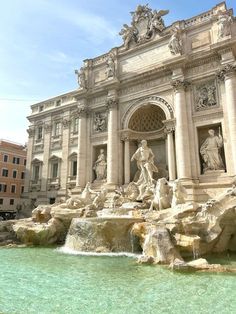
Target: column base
(111,186)
(77,190)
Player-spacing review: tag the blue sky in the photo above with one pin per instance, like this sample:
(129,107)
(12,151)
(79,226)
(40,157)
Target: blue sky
(42,42)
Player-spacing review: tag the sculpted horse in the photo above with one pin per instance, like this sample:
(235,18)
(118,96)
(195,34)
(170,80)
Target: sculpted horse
(162,195)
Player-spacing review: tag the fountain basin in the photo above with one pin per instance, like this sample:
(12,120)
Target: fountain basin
(102,234)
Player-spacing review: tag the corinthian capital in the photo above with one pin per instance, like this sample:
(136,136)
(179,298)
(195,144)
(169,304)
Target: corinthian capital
(227,69)
(111,103)
(31,131)
(82,111)
(179,84)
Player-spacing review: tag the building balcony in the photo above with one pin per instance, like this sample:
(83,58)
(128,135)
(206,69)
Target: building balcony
(53,184)
(71,182)
(35,185)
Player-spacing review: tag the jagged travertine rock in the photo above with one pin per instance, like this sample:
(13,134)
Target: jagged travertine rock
(42,213)
(90,234)
(156,242)
(29,232)
(7,234)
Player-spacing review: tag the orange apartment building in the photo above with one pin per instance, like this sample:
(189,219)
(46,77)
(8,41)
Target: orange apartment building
(12,174)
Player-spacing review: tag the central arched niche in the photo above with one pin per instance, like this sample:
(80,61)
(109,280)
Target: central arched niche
(148,118)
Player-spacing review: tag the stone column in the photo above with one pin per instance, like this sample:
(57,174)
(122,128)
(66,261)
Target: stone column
(65,154)
(171,154)
(82,148)
(126,160)
(30,144)
(46,155)
(228,74)
(181,133)
(112,143)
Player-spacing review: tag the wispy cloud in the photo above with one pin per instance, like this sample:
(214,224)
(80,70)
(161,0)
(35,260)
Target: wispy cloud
(94,27)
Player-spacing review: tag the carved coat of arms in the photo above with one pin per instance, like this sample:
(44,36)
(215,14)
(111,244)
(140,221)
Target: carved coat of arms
(145,24)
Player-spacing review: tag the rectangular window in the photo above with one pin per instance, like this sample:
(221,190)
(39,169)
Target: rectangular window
(36,172)
(52,200)
(1,201)
(16,160)
(22,175)
(12,201)
(5,172)
(14,174)
(13,188)
(39,133)
(22,189)
(54,170)
(74,168)
(57,128)
(5,158)
(76,125)
(3,187)
(24,162)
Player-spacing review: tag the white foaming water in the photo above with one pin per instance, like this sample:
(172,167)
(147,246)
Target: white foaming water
(66,250)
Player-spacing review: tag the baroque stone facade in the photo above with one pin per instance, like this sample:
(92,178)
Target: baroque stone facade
(174,86)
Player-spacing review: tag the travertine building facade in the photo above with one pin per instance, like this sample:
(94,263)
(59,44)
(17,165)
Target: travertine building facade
(174,86)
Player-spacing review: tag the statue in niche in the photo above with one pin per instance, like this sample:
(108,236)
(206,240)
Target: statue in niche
(210,152)
(100,124)
(110,70)
(175,43)
(224,21)
(205,96)
(100,167)
(81,77)
(145,163)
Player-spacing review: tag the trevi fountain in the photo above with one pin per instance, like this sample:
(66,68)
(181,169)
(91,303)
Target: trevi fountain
(99,249)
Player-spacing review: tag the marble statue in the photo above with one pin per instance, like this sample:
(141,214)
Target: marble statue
(100,122)
(144,25)
(145,163)
(179,194)
(162,195)
(210,152)
(224,21)
(81,77)
(110,64)
(84,199)
(157,23)
(175,43)
(142,11)
(100,166)
(128,34)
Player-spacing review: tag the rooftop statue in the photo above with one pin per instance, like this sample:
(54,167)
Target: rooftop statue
(144,25)
(224,21)
(81,78)
(175,43)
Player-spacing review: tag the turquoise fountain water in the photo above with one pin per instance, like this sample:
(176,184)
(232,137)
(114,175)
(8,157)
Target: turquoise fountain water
(44,280)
